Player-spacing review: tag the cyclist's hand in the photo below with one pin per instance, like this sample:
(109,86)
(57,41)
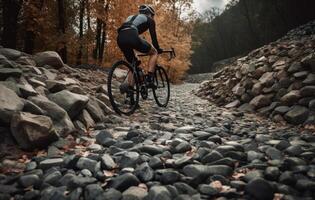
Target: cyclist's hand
(160,51)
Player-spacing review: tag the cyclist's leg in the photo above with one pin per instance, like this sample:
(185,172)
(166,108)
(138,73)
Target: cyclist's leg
(145,47)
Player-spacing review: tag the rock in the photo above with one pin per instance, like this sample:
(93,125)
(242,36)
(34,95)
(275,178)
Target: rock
(52,178)
(199,170)
(27,90)
(104,137)
(301,74)
(185,129)
(272,173)
(281,110)
(253,155)
(184,188)
(92,191)
(151,149)
(49,163)
(50,58)
(309,61)
(168,176)
(129,159)
(297,115)
(291,98)
(182,147)
(107,162)
(274,153)
(86,119)
(10,104)
(110,194)
(124,181)
(260,189)
(71,102)
(260,101)
(208,190)
(80,181)
(55,85)
(10,54)
(9,72)
(86,163)
(144,172)
(233,104)
(29,180)
(310,80)
(267,79)
(294,150)
(308,91)
(159,193)
(246,107)
(287,178)
(95,110)
(134,193)
(295,67)
(32,131)
(59,116)
(211,157)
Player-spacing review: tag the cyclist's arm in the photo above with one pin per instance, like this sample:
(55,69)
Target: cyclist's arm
(153,34)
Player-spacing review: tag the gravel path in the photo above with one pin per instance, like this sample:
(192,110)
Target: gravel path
(190,150)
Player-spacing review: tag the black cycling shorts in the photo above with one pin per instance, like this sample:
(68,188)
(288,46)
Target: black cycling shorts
(129,40)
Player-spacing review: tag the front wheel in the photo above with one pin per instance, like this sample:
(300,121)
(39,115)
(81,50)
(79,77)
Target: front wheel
(123,88)
(161,91)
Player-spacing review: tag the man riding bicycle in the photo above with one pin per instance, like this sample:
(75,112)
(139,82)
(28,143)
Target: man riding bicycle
(128,39)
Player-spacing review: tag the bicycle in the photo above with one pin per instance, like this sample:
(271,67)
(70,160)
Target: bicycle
(126,82)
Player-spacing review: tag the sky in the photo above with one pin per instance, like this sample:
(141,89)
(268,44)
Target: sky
(202,5)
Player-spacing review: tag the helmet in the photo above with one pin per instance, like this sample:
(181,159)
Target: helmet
(146,9)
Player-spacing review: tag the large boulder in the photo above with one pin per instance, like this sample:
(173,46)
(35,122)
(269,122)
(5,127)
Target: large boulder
(9,72)
(71,102)
(32,131)
(50,58)
(297,115)
(10,103)
(10,54)
(95,110)
(59,116)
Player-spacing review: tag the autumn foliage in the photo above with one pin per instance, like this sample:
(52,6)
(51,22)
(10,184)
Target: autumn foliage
(85,31)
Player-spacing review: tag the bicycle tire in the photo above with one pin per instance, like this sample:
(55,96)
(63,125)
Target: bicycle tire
(164,81)
(110,92)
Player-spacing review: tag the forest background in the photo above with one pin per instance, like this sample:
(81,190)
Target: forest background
(85,31)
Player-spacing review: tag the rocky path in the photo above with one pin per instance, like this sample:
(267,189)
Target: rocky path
(190,150)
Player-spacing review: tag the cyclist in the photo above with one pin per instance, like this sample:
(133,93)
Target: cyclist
(128,39)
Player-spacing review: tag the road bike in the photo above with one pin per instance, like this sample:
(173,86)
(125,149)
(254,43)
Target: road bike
(127,82)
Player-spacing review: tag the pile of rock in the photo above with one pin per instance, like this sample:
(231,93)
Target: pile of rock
(276,80)
(42,98)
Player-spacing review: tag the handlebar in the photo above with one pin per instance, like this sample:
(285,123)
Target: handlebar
(171,52)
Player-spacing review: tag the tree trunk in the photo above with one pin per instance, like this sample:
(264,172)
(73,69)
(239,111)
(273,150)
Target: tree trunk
(29,37)
(82,8)
(102,45)
(11,10)
(62,30)
(97,39)
(88,14)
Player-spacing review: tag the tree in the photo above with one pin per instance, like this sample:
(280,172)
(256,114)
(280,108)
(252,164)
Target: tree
(11,10)
(82,9)
(62,30)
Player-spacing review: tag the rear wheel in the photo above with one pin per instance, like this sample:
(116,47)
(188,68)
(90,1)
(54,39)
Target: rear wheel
(161,92)
(123,96)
